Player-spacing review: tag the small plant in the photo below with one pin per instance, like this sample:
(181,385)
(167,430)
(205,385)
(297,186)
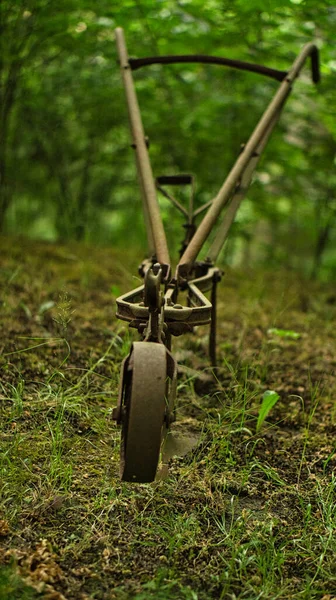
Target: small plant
(12,587)
(64,313)
(14,393)
(284,333)
(60,471)
(269,399)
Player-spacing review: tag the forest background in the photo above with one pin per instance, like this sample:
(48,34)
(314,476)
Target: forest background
(66,166)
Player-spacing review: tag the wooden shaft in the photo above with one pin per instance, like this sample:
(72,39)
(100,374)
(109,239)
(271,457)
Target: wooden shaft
(152,211)
(238,196)
(236,172)
(150,239)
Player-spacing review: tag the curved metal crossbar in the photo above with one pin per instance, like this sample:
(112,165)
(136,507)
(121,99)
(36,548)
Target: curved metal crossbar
(137,63)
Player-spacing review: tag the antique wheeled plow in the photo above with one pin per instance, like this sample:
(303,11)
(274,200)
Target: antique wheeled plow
(147,392)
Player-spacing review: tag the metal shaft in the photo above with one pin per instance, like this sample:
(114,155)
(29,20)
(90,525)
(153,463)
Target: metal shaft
(236,172)
(151,207)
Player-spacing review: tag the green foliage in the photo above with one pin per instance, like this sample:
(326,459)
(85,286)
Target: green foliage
(13,588)
(66,168)
(284,333)
(269,399)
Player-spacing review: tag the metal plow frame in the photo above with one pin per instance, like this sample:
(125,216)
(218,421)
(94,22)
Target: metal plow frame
(146,405)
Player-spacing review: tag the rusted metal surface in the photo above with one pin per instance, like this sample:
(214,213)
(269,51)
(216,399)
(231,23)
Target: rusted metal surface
(153,299)
(131,306)
(146,404)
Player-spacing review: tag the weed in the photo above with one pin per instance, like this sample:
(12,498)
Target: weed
(269,399)
(14,394)
(12,587)
(284,333)
(64,314)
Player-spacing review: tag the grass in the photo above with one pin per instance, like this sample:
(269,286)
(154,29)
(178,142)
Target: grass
(13,587)
(249,513)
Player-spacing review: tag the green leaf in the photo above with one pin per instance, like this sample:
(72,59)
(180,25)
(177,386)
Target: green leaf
(285,333)
(115,291)
(269,399)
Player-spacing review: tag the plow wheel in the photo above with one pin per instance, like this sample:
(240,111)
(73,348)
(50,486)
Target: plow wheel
(144,389)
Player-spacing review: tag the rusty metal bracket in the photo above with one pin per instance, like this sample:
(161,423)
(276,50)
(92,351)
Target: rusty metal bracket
(131,308)
(154,301)
(173,317)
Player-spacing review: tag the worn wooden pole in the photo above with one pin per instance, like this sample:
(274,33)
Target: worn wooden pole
(155,230)
(240,165)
